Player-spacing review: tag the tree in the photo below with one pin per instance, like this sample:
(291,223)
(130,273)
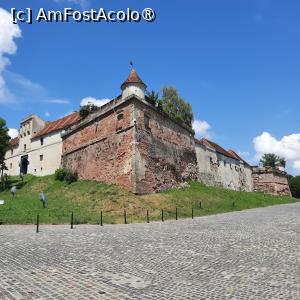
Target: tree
(272,160)
(4,146)
(152,97)
(294,183)
(85,110)
(178,109)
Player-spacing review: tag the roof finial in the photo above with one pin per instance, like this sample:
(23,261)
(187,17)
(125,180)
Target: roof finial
(131,63)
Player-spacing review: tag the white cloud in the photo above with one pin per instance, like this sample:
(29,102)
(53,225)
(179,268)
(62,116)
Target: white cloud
(47,114)
(201,128)
(296,165)
(8,32)
(12,132)
(58,101)
(91,100)
(23,82)
(288,147)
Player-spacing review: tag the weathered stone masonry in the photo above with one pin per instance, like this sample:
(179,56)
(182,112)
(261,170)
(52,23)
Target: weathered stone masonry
(130,143)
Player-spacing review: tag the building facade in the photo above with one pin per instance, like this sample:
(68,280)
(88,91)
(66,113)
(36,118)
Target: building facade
(222,168)
(38,148)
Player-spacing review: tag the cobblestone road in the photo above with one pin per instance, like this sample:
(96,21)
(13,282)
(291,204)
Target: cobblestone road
(253,254)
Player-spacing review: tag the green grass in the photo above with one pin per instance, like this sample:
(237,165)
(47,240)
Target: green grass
(87,198)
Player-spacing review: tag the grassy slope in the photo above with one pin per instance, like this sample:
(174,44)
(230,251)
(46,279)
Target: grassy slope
(87,198)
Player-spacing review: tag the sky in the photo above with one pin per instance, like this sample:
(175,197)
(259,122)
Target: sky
(237,62)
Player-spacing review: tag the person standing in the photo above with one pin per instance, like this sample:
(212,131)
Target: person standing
(43,199)
(13,191)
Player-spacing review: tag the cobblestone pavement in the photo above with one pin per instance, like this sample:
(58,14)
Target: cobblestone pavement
(253,254)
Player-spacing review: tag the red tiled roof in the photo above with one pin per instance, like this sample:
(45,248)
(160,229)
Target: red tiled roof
(59,124)
(233,153)
(216,147)
(14,142)
(133,78)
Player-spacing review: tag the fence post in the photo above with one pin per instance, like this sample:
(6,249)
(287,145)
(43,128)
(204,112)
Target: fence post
(72,220)
(147,216)
(200,204)
(192,212)
(37,223)
(125,217)
(176,213)
(162,215)
(101,218)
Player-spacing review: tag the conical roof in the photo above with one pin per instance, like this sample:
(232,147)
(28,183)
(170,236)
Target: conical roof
(133,78)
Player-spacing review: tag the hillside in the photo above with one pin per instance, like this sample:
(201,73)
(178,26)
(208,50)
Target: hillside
(87,198)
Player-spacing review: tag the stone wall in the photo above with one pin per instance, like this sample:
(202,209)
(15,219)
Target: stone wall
(101,146)
(219,170)
(131,144)
(270,181)
(165,153)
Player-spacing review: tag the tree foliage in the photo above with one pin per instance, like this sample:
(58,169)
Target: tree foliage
(85,110)
(177,108)
(294,183)
(4,146)
(272,160)
(152,97)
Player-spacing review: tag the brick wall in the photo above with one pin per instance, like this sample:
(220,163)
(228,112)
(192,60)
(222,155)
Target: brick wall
(102,148)
(270,181)
(165,153)
(131,144)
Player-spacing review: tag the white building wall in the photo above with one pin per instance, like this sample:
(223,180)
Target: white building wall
(12,161)
(216,169)
(51,152)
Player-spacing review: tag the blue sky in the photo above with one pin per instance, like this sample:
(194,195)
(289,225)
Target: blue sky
(237,62)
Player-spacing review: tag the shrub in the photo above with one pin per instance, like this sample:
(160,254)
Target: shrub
(69,176)
(294,183)
(60,174)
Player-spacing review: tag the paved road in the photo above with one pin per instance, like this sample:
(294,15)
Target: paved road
(253,254)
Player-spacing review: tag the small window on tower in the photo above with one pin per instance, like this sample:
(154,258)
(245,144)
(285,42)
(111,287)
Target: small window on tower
(42,141)
(11,165)
(41,157)
(24,147)
(147,122)
(12,151)
(120,120)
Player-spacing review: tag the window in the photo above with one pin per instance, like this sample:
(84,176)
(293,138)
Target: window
(120,119)
(41,157)
(42,141)
(12,151)
(24,147)
(147,122)
(28,132)
(10,165)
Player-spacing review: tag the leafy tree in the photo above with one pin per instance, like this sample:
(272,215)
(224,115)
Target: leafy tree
(85,110)
(294,183)
(152,97)
(172,104)
(4,146)
(272,160)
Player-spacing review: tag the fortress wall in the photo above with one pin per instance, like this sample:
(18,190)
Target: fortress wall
(219,170)
(102,148)
(165,151)
(270,181)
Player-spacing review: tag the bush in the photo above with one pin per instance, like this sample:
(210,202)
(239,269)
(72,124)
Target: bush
(60,174)
(294,183)
(69,176)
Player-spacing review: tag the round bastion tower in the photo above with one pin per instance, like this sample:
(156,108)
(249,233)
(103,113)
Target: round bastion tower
(133,85)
